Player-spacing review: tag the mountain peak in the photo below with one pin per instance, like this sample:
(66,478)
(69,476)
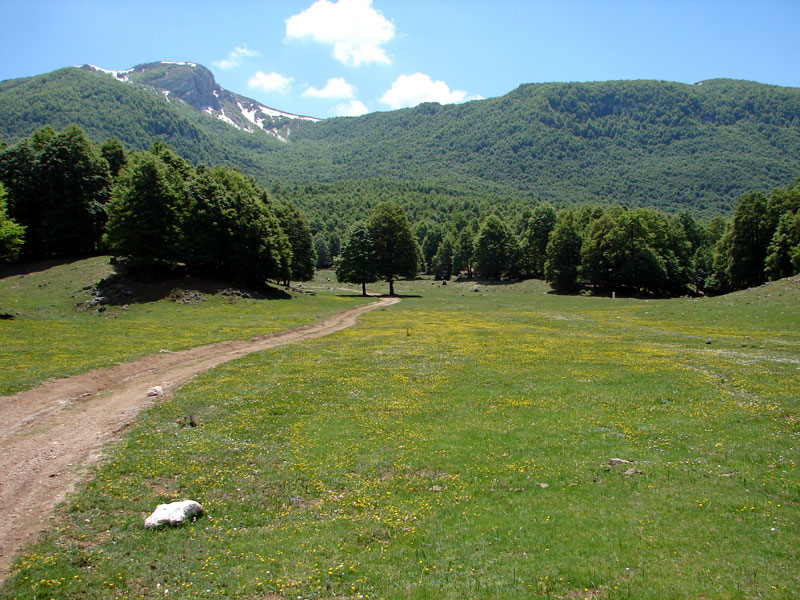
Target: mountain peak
(195,85)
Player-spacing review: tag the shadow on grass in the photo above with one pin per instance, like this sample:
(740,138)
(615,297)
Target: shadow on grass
(360,295)
(124,288)
(493,282)
(607,293)
(36,266)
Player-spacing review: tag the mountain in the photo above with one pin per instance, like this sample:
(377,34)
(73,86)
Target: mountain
(653,143)
(195,85)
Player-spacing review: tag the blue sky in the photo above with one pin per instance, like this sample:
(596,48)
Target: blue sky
(337,57)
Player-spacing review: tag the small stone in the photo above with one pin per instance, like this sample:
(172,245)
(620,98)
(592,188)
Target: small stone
(632,471)
(618,461)
(156,390)
(544,486)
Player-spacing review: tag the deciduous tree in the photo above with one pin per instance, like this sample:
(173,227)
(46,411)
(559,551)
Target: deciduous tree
(357,262)
(564,253)
(397,253)
(495,249)
(11,233)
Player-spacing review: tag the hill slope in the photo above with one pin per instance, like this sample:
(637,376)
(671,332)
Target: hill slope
(643,142)
(661,144)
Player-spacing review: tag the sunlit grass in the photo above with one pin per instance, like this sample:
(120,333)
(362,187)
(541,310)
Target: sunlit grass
(52,334)
(456,446)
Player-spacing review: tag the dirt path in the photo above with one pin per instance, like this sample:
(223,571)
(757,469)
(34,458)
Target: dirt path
(49,434)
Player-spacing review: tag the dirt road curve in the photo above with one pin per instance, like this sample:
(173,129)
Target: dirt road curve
(49,434)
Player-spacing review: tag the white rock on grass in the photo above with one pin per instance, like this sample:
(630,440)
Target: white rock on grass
(174,513)
(156,390)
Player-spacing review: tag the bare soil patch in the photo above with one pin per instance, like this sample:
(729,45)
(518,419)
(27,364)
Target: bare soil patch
(51,433)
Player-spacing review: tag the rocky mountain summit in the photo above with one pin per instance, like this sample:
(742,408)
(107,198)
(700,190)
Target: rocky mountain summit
(195,85)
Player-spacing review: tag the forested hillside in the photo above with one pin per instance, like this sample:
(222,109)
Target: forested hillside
(105,107)
(638,143)
(68,197)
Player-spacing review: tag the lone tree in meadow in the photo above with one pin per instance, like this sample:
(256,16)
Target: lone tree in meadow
(356,263)
(397,254)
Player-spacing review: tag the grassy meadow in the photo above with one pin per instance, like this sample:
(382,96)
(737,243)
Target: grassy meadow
(457,445)
(54,334)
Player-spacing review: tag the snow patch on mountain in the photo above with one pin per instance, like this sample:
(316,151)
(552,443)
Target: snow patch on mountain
(197,87)
(278,113)
(223,117)
(119,75)
(182,64)
(250,115)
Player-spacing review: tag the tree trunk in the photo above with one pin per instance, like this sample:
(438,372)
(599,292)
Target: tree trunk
(363,288)
(391,287)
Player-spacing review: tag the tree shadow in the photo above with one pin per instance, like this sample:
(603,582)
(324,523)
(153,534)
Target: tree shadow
(488,282)
(35,266)
(360,295)
(608,293)
(124,288)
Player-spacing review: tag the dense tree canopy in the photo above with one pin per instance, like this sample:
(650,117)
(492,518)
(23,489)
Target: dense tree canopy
(357,262)
(58,186)
(164,212)
(145,213)
(635,143)
(11,233)
(563,253)
(227,229)
(534,237)
(397,254)
(495,251)
(303,258)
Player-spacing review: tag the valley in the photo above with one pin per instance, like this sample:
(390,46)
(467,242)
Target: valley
(586,386)
(466,442)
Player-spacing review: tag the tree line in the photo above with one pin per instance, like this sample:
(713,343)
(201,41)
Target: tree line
(615,248)
(629,142)
(62,195)
(610,248)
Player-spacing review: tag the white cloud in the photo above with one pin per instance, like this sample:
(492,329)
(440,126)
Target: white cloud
(270,82)
(354,29)
(354,108)
(235,57)
(410,90)
(336,87)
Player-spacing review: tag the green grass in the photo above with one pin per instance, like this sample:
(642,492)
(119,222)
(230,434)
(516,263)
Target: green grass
(53,334)
(406,457)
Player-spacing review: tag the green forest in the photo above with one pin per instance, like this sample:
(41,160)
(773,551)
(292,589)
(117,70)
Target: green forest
(63,195)
(68,197)
(631,143)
